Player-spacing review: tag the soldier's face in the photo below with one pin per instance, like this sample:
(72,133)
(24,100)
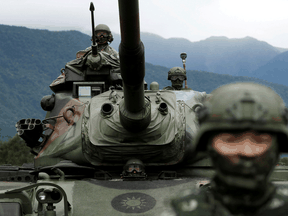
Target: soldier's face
(177,81)
(249,144)
(102,37)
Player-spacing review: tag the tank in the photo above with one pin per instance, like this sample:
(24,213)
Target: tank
(108,146)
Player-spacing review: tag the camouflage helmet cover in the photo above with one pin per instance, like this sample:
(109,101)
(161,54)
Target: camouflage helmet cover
(243,106)
(103,27)
(176,71)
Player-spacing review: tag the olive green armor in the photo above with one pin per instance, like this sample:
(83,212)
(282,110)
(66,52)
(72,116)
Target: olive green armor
(236,108)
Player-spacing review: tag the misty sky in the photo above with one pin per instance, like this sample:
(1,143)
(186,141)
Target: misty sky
(194,20)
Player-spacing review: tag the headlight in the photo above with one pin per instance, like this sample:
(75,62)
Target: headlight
(48,195)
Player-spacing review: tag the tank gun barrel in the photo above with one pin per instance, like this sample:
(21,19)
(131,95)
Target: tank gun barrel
(135,112)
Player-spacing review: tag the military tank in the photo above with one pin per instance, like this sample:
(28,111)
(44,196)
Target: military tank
(106,149)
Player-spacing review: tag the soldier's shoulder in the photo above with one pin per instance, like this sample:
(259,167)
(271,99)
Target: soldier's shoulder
(112,51)
(278,203)
(111,48)
(192,202)
(280,197)
(281,192)
(168,88)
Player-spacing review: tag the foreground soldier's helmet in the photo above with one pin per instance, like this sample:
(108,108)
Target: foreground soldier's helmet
(176,71)
(103,27)
(243,106)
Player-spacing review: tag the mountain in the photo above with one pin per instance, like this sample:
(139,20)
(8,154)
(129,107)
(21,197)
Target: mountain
(238,57)
(275,70)
(31,59)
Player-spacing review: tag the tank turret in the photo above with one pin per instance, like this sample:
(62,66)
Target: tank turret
(135,109)
(90,123)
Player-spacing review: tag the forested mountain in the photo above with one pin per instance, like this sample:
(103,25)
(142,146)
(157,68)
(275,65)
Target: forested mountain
(275,70)
(31,59)
(238,57)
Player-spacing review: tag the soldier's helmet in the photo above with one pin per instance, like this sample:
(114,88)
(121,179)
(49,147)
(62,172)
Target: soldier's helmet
(237,108)
(176,72)
(103,30)
(243,106)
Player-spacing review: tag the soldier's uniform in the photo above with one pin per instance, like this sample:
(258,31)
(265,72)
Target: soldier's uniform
(105,48)
(202,202)
(240,187)
(174,89)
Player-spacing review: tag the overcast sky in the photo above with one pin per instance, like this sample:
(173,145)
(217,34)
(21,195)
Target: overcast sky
(195,20)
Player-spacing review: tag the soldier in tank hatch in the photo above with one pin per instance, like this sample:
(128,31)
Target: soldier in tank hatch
(243,127)
(177,75)
(105,58)
(106,54)
(104,36)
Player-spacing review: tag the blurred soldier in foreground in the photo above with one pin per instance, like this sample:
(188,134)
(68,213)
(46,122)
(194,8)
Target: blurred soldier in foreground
(177,75)
(243,127)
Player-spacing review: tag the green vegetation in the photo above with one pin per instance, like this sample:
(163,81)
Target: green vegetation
(283,161)
(15,152)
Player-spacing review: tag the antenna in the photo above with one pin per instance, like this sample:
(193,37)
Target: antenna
(94,44)
(183,56)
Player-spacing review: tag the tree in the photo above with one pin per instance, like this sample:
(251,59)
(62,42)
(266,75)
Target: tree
(284,160)
(15,152)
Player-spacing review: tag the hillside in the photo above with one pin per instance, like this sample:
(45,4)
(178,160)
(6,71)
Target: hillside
(275,70)
(238,57)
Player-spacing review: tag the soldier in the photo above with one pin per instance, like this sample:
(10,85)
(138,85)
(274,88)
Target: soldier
(103,36)
(106,54)
(177,75)
(243,127)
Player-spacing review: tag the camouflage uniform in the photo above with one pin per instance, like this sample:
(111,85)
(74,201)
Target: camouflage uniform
(106,57)
(203,202)
(240,188)
(175,89)
(105,48)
